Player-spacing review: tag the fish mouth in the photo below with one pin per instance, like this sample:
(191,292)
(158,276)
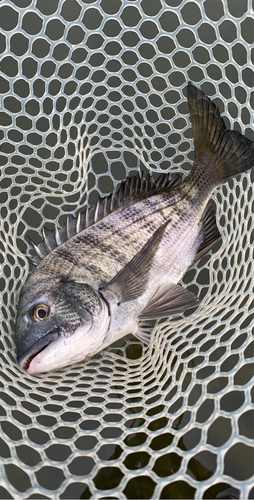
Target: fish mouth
(40,345)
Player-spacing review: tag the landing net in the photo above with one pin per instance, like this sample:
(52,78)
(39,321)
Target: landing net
(90,92)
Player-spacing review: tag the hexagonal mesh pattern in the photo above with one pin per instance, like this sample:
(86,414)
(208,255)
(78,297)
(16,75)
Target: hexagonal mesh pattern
(91,91)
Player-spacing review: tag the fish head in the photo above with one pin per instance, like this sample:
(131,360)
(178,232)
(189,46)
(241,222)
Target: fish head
(59,323)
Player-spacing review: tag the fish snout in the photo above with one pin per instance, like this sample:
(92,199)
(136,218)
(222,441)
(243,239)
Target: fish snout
(40,345)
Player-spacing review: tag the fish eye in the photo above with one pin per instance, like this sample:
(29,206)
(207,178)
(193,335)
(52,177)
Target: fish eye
(40,312)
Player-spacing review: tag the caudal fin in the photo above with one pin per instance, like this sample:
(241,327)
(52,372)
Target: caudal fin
(223,153)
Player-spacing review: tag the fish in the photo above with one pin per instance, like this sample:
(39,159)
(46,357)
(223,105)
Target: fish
(116,266)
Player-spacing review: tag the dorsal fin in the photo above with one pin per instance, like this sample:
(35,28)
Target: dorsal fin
(133,188)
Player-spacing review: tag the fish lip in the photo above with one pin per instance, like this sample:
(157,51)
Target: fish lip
(25,359)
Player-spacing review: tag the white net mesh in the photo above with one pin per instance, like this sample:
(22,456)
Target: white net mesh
(91,90)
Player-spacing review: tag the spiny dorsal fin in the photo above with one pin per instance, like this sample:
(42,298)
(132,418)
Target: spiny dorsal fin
(133,188)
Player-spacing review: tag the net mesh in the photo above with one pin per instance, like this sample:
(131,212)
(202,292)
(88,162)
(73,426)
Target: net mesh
(91,91)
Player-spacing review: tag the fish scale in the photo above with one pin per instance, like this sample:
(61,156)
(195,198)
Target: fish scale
(124,265)
(115,247)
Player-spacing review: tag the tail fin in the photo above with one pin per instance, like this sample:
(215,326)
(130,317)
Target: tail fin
(225,152)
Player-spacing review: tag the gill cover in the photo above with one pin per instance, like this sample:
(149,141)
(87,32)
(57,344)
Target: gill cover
(75,316)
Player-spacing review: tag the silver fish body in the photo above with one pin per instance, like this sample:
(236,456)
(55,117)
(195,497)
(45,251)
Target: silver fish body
(123,258)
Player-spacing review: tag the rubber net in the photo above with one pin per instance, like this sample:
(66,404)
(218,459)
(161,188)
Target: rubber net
(92,91)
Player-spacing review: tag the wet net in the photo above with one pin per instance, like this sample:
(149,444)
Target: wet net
(92,91)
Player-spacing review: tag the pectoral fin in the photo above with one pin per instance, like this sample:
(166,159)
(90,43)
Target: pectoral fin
(131,281)
(168,301)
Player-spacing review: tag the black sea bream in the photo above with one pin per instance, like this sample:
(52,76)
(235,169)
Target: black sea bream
(104,274)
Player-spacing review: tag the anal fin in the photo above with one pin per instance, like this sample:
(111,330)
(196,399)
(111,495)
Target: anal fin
(209,232)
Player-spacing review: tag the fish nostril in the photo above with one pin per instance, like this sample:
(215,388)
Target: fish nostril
(26,319)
